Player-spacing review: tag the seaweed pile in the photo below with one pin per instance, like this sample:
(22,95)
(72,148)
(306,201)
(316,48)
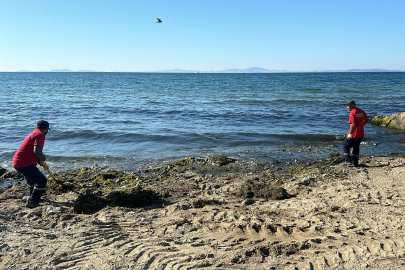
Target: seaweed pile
(156,187)
(151,187)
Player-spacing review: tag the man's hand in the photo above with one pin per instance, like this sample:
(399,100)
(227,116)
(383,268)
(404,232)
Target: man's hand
(349,136)
(43,164)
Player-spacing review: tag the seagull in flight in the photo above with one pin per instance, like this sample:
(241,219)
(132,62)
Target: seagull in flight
(158,20)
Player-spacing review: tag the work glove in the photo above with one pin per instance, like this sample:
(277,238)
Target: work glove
(43,164)
(349,136)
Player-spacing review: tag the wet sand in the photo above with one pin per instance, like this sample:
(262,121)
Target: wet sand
(214,213)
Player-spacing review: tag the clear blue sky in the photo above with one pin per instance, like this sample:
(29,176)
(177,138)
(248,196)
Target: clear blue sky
(122,35)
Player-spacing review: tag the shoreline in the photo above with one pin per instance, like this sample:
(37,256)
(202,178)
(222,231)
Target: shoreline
(214,213)
(293,154)
(283,154)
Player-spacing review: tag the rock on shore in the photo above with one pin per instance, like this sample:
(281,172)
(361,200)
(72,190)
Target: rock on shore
(394,121)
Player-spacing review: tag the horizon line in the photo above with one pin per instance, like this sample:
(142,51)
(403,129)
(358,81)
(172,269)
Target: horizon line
(233,70)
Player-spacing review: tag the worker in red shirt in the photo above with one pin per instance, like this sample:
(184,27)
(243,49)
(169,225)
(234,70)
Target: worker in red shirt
(357,119)
(26,159)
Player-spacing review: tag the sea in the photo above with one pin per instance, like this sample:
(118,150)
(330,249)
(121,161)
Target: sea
(131,121)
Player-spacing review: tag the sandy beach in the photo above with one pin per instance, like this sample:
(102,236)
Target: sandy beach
(212,213)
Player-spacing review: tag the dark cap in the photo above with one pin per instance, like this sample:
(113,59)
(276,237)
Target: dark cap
(42,124)
(350,103)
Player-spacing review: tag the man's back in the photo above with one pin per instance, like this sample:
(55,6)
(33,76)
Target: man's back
(357,117)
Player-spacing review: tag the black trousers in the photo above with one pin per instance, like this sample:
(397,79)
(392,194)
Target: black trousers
(354,156)
(36,182)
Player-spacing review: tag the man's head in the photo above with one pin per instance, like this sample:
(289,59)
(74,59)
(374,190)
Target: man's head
(43,126)
(350,105)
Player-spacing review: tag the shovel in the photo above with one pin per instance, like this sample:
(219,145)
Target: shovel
(46,168)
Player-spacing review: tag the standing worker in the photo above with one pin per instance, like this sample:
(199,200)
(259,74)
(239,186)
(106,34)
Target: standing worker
(26,159)
(357,119)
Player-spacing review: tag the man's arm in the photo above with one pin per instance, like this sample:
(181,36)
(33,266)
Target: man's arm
(365,121)
(38,153)
(352,127)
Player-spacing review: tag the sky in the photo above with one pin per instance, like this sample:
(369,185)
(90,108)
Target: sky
(204,35)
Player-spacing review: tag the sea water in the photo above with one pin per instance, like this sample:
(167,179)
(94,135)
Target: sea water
(134,120)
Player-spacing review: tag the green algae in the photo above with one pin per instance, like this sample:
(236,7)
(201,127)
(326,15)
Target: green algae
(381,120)
(302,167)
(99,188)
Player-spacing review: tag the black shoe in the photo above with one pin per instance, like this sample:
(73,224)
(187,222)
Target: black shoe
(31,204)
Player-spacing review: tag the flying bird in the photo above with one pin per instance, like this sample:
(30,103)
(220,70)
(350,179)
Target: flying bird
(158,20)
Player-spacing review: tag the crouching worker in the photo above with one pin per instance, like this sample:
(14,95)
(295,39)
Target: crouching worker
(26,159)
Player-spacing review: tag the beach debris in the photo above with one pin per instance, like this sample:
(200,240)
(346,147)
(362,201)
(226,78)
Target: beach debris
(2,171)
(5,174)
(134,197)
(394,154)
(88,203)
(261,190)
(248,202)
